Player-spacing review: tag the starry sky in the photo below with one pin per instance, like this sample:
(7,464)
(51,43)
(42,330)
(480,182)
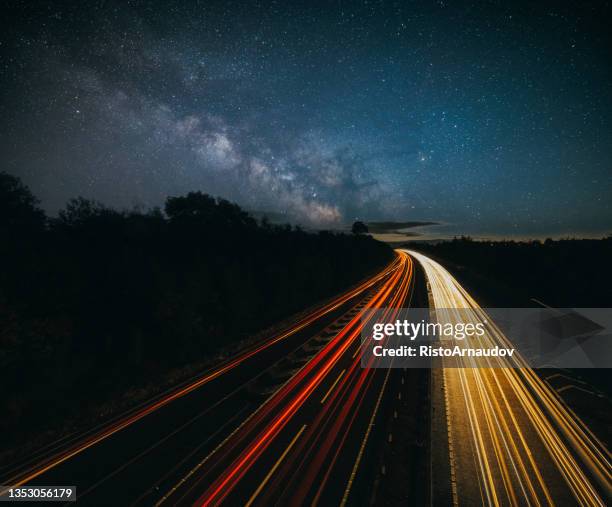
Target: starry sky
(493,118)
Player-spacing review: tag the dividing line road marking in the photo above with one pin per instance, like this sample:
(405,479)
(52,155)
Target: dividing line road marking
(332,387)
(364,442)
(273,469)
(578,388)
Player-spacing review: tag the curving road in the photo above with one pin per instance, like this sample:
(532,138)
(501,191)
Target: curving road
(295,419)
(509,439)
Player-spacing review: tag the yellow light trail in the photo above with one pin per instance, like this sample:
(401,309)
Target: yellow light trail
(505,405)
(273,469)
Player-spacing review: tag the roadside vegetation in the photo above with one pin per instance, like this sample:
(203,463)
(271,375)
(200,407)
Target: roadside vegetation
(96,301)
(561,273)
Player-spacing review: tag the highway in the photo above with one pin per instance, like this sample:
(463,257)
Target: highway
(507,438)
(309,372)
(293,420)
(305,443)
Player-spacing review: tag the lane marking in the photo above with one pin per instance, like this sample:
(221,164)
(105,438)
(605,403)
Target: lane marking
(332,387)
(273,469)
(578,388)
(349,484)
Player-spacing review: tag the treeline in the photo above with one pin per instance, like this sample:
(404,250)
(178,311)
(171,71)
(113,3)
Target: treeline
(562,273)
(97,300)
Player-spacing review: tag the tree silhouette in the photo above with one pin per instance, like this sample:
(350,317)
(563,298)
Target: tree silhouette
(359,228)
(80,211)
(19,211)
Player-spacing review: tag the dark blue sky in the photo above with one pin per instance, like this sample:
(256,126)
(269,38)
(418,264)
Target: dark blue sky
(494,118)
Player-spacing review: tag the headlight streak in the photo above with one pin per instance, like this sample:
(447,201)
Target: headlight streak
(486,393)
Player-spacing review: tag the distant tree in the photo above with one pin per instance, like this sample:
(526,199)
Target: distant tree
(80,211)
(194,205)
(359,228)
(19,211)
(200,209)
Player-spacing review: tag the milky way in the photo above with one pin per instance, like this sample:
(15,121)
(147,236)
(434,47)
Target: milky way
(490,117)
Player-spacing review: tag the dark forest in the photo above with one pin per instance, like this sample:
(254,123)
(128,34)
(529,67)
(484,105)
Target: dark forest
(98,300)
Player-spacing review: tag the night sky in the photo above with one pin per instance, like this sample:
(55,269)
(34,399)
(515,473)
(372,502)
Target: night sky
(491,118)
